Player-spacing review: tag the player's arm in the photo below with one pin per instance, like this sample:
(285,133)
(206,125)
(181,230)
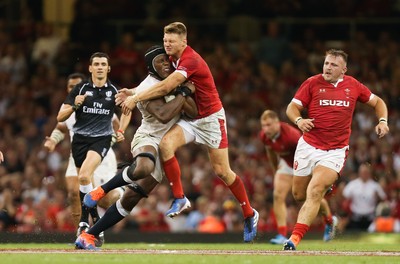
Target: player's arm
(381,113)
(65,112)
(57,135)
(272,159)
(123,124)
(189,107)
(164,111)
(160,89)
(293,112)
(67,109)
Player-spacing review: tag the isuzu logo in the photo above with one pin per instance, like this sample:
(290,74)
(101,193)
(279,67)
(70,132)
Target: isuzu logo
(327,102)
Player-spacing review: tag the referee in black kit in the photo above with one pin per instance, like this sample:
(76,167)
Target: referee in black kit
(94,104)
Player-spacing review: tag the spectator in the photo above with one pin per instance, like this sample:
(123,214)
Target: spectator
(384,222)
(362,196)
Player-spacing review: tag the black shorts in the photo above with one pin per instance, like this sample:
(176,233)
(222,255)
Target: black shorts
(82,144)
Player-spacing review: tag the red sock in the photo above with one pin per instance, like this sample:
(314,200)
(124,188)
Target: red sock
(328,219)
(299,231)
(238,190)
(173,174)
(282,230)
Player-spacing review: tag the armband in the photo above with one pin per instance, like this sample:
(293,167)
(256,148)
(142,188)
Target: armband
(183,90)
(121,131)
(57,136)
(297,120)
(383,120)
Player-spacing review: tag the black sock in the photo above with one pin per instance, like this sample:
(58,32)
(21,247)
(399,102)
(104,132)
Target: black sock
(110,218)
(85,210)
(94,214)
(115,182)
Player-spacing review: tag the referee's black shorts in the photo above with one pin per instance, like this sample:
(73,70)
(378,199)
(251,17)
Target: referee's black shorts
(82,144)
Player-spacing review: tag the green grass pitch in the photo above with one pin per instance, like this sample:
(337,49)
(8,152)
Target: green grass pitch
(377,248)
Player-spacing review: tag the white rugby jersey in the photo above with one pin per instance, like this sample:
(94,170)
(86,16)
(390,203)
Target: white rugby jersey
(150,125)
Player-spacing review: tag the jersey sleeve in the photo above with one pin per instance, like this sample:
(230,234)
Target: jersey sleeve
(187,66)
(365,93)
(303,94)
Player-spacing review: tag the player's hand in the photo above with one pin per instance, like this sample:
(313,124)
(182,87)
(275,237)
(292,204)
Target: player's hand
(1,157)
(49,144)
(306,124)
(382,129)
(128,105)
(120,136)
(79,99)
(123,94)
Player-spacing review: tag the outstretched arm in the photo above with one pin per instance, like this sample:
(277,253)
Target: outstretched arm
(160,89)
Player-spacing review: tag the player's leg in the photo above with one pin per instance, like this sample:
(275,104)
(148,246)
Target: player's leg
(72,185)
(220,161)
(85,173)
(118,211)
(322,178)
(330,221)
(282,186)
(73,198)
(104,173)
(177,136)
(171,141)
(144,164)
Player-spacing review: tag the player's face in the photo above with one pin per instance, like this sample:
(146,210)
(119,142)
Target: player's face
(99,68)
(174,44)
(334,68)
(270,127)
(162,65)
(72,82)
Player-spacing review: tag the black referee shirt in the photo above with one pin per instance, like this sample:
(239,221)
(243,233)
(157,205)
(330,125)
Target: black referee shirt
(94,117)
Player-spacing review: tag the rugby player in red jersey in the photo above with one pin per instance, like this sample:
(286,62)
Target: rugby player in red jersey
(330,99)
(208,128)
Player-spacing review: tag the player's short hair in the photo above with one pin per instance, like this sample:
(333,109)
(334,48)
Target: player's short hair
(176,28)
(76,75)
(99,55)
(337,53)
(269,114)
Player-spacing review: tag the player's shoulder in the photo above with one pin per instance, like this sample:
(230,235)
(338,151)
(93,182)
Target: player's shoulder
(146,83)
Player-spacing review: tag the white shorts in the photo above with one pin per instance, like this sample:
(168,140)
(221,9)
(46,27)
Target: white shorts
(307,157)
(141,140)
(209,131)
(284,168)
(106,170)
(71,169)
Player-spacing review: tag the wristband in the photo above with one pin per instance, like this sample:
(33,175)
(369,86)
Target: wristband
(183,90)
(297,120)
(76,107)
(383,120)
(121,131)
(57,136)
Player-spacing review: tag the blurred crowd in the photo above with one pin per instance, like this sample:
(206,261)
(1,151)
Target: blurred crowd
(252,74)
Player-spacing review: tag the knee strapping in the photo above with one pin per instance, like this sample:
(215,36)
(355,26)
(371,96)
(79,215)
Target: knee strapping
(138,189)
(147,155)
